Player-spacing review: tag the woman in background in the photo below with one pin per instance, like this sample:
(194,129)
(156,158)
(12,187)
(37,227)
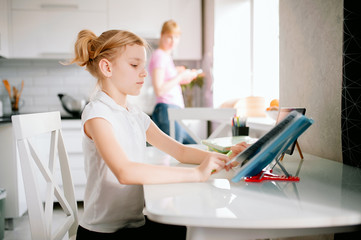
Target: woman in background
(114,144)
(167,80)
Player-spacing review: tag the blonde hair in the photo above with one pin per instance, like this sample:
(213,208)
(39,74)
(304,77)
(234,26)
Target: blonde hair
(171,27)
(90,49)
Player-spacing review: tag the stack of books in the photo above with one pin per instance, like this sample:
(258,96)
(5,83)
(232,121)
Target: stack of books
(224,144)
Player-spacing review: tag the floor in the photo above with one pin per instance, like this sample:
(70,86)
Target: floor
(21,229)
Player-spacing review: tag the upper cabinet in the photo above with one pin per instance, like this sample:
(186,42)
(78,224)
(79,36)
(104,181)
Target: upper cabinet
(142,17)
(82,5)
(48,28)
(4,29)
(188,14)
(146,18)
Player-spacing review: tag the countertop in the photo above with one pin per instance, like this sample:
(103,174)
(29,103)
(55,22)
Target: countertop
(7,118)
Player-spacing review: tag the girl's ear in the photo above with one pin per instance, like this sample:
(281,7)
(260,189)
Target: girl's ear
(105,67)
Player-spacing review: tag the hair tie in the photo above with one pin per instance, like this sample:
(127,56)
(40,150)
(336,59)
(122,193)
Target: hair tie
(91,50)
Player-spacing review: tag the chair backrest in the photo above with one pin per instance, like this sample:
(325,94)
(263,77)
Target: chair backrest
(39,136)
(221,115)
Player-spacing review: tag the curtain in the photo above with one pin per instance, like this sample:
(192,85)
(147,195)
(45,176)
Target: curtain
(351,85)
(351,94)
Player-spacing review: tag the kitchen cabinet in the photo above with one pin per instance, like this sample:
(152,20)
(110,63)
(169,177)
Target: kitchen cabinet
(82,5)
(146,18)
(4,30)
(48,29)
(142,17)
(10,174)
(72,135)
(188,14)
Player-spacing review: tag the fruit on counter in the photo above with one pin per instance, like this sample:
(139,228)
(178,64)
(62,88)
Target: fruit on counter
(273,106)
(274,103)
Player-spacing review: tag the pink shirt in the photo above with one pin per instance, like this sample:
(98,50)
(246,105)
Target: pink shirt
(161,59)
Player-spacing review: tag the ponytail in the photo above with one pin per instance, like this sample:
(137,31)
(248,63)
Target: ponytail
(90,49)
(84,51)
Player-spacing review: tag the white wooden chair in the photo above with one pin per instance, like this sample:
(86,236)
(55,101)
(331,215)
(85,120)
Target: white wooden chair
(221,115)
(34,133)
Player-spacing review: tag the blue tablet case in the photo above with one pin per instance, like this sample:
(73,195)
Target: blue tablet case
(256,157)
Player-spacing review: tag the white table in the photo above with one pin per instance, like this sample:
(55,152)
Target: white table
(326,200)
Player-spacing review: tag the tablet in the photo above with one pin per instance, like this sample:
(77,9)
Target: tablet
(281,115)
(257,156)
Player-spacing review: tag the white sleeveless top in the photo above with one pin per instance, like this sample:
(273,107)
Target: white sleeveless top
(109,205)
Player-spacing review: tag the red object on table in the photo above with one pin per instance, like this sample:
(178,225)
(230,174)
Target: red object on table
(269,176)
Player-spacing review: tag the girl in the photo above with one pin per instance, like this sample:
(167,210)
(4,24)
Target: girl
(114,143)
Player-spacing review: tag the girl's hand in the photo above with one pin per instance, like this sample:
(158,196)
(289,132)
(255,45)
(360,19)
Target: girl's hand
(236,149)
(213,163)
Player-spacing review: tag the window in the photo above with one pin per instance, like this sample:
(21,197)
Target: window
(246,50)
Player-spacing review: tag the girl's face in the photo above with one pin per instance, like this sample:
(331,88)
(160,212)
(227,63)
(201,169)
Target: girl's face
(128,71)
(169,41)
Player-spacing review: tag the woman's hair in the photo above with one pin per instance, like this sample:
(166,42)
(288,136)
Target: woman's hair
(90,49)
(171,27)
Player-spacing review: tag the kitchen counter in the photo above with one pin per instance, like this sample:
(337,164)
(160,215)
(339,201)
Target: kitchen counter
(68,117)
(7,118)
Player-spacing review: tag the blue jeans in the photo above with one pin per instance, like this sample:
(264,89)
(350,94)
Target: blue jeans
(160,118)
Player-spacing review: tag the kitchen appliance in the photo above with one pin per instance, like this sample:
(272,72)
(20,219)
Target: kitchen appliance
(72,105)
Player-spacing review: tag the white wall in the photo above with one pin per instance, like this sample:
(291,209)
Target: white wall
(311,33)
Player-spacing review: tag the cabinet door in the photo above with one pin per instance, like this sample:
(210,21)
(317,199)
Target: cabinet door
(146,18)
(188,14)
(4,10)
(10,174)
(81,5)
(51,34)
(142,17)
(72,135)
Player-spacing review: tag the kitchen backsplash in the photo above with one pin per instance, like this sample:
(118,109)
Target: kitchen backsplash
(44,79)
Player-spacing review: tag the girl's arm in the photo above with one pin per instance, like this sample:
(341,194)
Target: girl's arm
(128,172)
(183,153)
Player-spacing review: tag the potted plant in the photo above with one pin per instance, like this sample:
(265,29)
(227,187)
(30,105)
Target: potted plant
(188,91)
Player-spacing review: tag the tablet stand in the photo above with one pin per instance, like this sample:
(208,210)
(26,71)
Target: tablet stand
(268,175)
(298,150)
